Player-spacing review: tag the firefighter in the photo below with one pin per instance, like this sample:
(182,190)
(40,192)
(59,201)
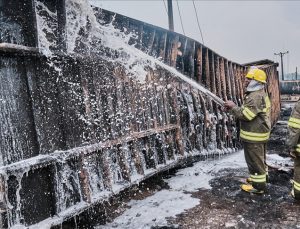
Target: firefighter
(293,142)
(254,116)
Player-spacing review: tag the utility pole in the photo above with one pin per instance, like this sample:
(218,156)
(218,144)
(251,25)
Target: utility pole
(296,74)
(281,54)
(170,15)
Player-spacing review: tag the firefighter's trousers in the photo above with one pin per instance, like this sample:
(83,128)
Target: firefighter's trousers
(296,184)
(255,154)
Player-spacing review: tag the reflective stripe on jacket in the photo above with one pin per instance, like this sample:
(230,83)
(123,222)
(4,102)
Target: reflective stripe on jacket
(254,116)
(294,129)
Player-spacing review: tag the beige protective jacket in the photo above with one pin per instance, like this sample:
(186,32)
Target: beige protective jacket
(294,129)
(254,116)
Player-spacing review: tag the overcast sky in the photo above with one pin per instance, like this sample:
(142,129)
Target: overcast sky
(241,31)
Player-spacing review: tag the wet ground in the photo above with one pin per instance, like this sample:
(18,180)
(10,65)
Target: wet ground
(224,205)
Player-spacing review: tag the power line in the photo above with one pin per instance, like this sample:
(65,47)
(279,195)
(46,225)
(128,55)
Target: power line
(165,7)
(198,22)
(180,17)
(281,54)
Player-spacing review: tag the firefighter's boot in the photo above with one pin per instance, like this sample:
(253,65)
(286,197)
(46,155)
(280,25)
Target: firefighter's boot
(249,188)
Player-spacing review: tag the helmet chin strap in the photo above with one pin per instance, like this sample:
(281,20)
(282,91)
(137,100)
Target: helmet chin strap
(254,86)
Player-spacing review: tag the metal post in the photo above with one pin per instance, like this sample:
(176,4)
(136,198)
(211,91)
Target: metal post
(281,54)
(3,204)
(282,75)
(170,15)
(61,17)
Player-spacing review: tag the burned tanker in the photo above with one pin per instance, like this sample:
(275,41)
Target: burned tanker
(290,90)
(92,102)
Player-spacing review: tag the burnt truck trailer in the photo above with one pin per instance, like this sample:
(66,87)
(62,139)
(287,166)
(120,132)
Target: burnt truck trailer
(290,90)
(87,110)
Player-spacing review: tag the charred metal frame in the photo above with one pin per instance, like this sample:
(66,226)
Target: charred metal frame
(90,118)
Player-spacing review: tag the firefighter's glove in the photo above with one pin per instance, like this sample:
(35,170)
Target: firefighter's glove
(228,105)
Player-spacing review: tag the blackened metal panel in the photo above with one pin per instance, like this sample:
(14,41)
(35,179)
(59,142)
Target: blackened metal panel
(17,22)
(68,191)
(205,68)
(188,59)
(51,14)
(218,76)
(89,100)
(148,39)
(17,129)
(198,65)
(72,103)
(212,74)
(61,18)
(227,79)
(223,79)
(43,83)
(37,195)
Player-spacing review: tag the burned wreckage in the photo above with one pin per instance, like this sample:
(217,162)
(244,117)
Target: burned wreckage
(92,102)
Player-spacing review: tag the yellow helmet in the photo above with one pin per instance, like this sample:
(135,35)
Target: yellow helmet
(257,74)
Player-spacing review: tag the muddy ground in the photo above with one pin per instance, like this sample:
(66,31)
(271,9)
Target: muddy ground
(226,206)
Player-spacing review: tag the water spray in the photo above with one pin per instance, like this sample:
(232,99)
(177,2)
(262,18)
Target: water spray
(193,83)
